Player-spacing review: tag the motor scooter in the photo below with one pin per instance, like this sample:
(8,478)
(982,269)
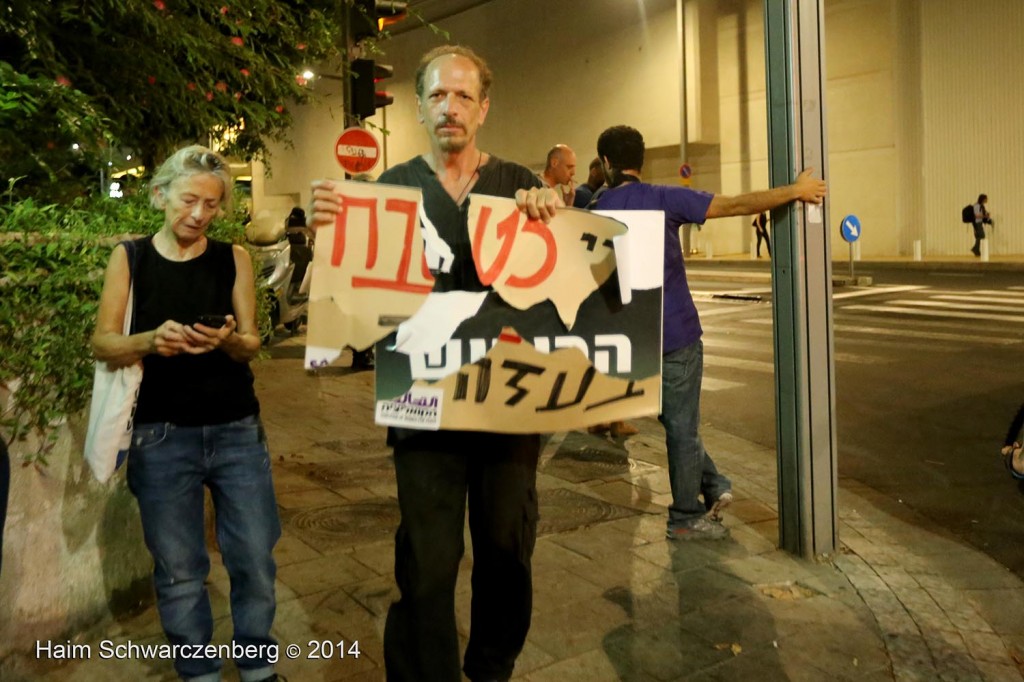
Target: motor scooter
(281,259)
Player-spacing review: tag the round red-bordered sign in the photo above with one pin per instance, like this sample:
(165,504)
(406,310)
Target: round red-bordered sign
(685,171)
(357,150)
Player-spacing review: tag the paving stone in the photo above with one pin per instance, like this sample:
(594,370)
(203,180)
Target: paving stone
(923,609)
(997,672)
(323,573)
(890,614)
(897,578)
(986,646)
(1000,608)
(908,650)
(661,652)
(588,666)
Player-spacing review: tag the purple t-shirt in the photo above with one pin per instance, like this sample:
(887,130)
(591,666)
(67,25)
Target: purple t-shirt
(681,325)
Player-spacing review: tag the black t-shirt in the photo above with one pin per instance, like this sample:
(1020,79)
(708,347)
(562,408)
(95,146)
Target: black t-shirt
(497,178)
(189,390)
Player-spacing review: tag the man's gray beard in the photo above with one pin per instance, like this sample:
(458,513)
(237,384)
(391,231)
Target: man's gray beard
(449,145)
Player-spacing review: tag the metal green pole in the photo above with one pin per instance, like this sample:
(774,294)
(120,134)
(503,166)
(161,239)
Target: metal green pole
(801,282)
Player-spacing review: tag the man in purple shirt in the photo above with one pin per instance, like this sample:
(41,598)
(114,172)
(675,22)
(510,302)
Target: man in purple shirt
(691,471)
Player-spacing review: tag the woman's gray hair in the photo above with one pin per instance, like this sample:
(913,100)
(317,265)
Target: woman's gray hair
(192,160)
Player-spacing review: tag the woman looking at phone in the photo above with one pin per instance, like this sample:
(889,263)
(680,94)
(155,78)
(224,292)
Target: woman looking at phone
(197,419)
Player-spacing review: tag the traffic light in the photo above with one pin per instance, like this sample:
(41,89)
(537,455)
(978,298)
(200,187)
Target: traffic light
(364,75)
(367,18)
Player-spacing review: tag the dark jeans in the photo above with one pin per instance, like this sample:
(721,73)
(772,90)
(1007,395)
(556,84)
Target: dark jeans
(979,234)
(167,468)
(767,242)
(436,472)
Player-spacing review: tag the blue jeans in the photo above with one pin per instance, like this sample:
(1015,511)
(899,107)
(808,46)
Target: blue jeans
(168,466)
(690,469)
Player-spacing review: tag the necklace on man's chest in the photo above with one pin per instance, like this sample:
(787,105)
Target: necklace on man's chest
(469,181)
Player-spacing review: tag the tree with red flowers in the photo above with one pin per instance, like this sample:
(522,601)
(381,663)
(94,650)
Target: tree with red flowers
(80,79)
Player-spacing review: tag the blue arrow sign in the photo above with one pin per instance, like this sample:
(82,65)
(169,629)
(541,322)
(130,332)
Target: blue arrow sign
(850,228)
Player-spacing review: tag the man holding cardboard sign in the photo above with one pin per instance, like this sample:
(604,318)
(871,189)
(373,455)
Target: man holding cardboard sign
(437,470)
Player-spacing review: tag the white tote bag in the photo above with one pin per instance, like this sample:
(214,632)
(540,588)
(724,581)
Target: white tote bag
(114,394)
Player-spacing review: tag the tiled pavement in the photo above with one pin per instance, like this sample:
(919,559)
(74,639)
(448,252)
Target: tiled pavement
(613,599)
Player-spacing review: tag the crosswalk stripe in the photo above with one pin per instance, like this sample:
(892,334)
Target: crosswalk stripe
(746,345)
(712,384)
(711,360)
(960,306)
(936,313)
(912,333)
(877,291)
(760,341)
(733,310)
(999,292)
(982,299)
(768,367)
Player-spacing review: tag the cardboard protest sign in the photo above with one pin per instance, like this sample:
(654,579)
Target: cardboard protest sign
(526,260)
(369,270)
(562,339)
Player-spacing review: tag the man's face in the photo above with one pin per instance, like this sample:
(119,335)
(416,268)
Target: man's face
(563,167)
(451,107)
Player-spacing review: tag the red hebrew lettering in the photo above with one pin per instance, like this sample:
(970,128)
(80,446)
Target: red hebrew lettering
(506,230)
(341,222)
(547,267)
(401,281)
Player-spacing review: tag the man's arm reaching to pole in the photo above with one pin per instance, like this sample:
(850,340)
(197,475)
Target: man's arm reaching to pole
(806,189)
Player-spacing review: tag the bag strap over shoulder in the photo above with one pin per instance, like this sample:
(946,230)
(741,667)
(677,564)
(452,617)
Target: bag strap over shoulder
(131,249)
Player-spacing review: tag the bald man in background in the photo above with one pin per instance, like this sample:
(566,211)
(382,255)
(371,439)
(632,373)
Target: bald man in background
(559,172)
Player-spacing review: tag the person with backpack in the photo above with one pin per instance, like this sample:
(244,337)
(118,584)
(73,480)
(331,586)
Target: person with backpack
(977,215)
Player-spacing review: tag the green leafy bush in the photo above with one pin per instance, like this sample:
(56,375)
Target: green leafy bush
(52,259)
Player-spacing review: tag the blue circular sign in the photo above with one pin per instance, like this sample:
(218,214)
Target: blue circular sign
(850,228)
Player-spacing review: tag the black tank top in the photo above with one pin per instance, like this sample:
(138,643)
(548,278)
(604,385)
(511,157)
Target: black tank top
(189,390)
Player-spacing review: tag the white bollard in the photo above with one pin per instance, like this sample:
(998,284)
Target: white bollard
(917,249)
(856,250)
(707,249)
(984,250)
(753,247)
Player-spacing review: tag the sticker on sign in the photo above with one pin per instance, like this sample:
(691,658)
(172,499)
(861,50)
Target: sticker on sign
(356,150)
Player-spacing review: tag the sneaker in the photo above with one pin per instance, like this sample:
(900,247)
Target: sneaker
(703,528)
(623,429)
(719,504)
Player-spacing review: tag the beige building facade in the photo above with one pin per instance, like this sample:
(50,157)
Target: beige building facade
(924,99)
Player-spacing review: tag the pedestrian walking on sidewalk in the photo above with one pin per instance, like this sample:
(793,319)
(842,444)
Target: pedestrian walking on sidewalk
(761,229)
(437,470)
(692,473)
(197,418)
(981,218)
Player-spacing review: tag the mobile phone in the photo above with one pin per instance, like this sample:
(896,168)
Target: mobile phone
(215,321)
